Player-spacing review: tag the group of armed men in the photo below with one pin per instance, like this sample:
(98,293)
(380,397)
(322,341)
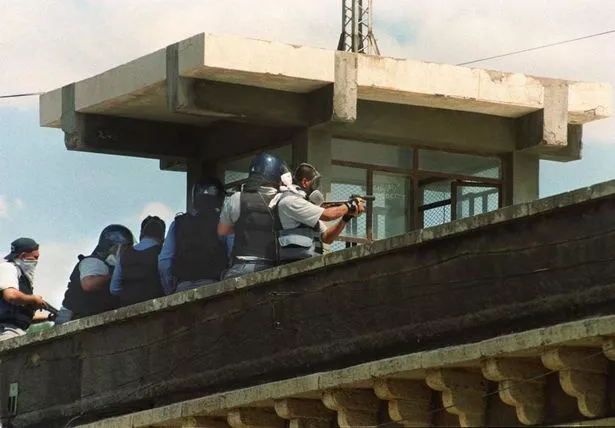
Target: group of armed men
(276,218)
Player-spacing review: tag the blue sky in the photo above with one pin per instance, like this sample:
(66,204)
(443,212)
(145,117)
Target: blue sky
(63,199)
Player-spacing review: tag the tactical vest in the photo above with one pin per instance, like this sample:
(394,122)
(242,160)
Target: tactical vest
(83,303)
(140,279)
(299,242)
(199,252)
(255,230)
(20,316)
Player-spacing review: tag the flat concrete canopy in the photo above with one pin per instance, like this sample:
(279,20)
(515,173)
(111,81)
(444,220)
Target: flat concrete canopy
(136,89)
(210,81)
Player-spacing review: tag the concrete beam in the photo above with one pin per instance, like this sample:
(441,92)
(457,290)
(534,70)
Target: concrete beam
(128,137)
(547,131)
(430,127)
(123,136)
(196,96)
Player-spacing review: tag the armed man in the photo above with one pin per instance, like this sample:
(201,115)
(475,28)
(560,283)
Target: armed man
(247,214)
(193,254)
(88,288)
(18,303)
(302,222)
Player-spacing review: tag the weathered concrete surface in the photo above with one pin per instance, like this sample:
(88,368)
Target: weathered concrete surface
(586,334)
(521,267)
(301,69)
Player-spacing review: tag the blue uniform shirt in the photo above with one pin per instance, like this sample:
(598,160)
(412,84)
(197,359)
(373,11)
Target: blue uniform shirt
(165,259)
(116,280)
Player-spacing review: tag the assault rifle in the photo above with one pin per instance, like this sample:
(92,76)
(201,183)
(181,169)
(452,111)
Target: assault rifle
(362,198)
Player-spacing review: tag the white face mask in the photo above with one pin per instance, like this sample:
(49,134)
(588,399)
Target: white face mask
(27,267)
(111,260)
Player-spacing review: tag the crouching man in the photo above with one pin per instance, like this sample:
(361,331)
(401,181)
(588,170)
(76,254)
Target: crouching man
(18,303)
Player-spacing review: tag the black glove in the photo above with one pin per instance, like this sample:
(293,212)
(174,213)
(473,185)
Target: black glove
(352,206)
(346,218)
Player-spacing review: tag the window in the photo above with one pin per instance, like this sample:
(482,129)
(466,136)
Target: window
(414,187)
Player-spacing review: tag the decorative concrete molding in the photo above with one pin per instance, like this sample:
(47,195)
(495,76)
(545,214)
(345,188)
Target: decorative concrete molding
(521,384)
(463,394)
(195,422)
(582,375)
(304,413)
(254,418)
(409,401)
(355,408)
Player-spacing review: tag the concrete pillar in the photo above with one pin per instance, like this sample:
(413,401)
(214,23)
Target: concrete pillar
(314,147)
(521,174)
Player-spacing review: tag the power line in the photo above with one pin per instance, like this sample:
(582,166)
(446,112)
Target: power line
(538,47)
(26,94)
(535,48)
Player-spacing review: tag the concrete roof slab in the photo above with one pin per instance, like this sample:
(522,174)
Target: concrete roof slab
(300,69)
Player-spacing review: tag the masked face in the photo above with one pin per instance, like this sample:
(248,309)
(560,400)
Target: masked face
(28,267)
(114,254)
(308,186)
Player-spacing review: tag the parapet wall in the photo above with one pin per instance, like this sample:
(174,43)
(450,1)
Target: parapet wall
(522,267)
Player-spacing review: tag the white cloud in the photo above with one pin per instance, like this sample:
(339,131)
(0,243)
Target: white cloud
(65,42)
(157,209)
(4,211)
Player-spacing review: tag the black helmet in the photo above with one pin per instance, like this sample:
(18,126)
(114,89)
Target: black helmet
(114,234)
(268,167)
(208,187)
(208,193)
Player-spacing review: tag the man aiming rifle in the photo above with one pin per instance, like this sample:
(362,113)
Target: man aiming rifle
(301,222)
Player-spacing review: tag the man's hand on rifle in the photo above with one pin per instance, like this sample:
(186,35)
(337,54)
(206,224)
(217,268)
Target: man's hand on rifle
(356,207)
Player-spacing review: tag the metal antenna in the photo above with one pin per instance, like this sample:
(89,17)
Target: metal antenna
(357,28)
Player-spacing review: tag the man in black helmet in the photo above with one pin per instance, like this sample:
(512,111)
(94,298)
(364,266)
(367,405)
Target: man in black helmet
(88,288)
(135,277)
(248,216)
(193,254)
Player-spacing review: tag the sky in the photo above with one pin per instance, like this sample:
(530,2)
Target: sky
(64,199)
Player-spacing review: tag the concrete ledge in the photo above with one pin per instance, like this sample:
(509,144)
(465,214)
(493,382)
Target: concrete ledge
(128,89)
(308,267)
(531,342)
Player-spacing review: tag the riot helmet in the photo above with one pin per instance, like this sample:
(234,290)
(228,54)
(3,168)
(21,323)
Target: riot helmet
(208,193)
(113,237)
(267,169)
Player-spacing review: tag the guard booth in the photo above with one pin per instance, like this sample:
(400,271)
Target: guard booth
(434,143)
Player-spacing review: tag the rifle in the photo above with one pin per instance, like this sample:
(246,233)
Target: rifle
(52,310)
(363,198)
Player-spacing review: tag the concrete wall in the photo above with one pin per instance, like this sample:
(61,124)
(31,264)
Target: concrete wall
(522,267)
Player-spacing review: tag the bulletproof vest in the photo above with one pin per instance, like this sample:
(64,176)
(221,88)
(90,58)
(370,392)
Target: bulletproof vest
(83,303)
(199,252)
(20,316)
(140,279)
(255,230)
(299,242)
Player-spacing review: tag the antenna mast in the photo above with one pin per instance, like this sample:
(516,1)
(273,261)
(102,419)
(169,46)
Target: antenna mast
(357,28)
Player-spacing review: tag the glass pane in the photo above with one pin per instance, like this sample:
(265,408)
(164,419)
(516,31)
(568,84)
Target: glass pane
(371,153)
(455,163)
(391,205)
(436,202)
(346,181)
(237,169)
(473,200)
